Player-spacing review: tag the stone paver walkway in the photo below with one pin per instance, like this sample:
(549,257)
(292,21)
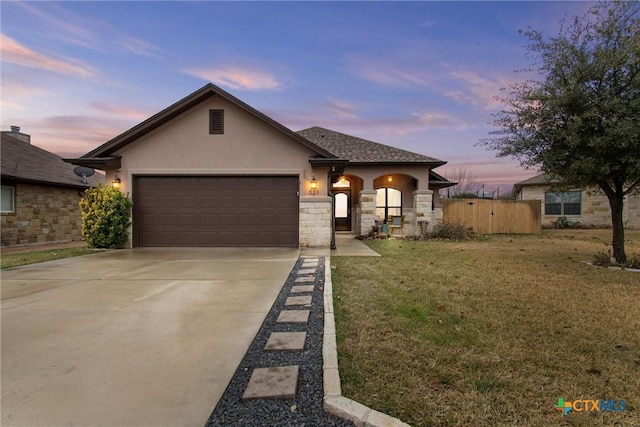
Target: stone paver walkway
(281,382)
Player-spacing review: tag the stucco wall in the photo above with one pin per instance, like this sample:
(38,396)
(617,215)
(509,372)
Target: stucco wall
(595,208)
(184,145)
(42,214)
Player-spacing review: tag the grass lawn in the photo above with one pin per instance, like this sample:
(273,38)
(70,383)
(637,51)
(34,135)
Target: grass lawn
(490,332)
(32,257)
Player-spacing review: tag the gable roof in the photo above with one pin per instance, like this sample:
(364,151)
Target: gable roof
(439,181)
(24,162)
(541,179)
(106,151)
(362,151)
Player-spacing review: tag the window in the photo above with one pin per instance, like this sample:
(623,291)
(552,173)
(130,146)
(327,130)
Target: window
(216,121)
(388,202)
(6,202)
(567,203)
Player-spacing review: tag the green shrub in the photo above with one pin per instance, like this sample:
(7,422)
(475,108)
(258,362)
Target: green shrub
(455,231)
(106,214)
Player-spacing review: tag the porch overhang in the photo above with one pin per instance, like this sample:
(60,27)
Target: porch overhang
(102,163)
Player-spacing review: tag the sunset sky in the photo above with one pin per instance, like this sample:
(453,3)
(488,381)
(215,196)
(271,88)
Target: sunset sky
(421,76)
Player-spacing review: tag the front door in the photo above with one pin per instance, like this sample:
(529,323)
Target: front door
(342,210)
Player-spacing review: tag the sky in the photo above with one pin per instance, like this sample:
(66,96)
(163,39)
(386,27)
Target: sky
(421,76)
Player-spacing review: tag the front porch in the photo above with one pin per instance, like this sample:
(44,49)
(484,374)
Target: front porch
(359,205)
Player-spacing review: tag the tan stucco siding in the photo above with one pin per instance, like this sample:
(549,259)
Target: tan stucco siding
(248,145)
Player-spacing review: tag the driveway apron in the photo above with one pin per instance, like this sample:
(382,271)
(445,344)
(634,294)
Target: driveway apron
(132,337)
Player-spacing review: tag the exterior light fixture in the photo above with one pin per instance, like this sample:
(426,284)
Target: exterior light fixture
(313,186)
(389,178)
(116,182)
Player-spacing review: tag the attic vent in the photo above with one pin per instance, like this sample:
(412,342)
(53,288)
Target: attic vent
(216,121)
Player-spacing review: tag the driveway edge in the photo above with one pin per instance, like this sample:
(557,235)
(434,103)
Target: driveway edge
(334,402)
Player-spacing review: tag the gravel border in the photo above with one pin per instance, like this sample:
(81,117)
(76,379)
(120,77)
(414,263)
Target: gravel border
(307,407)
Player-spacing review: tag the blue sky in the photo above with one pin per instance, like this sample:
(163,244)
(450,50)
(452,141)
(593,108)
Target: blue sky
(416,75)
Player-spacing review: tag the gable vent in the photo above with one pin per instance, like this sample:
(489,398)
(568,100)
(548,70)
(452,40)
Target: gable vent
(216,121)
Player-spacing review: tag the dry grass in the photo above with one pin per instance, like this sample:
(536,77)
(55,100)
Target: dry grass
(490,332)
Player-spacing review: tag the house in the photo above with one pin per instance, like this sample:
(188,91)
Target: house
(40,193)
(590,207)
(211,170)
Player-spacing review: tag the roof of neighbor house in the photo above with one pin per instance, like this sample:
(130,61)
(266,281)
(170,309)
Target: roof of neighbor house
(362,151)
(104,154)
(541,179)
(24,162)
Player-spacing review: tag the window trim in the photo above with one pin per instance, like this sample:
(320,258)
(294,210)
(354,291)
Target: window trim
(562,203)
(214,127)
(13,199)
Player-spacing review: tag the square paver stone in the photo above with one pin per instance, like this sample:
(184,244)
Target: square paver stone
(306,271)
(286,341)
(277,382)
(293,316)
(301,289)
(301,300)
(305,279)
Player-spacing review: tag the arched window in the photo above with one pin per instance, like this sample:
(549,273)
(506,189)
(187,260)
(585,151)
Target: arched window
(388,202)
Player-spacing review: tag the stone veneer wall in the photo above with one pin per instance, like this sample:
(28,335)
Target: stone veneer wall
(315,221)
(595,208)
(420,211)
(42,214)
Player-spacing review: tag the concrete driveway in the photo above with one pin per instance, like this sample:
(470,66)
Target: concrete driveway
(144,337)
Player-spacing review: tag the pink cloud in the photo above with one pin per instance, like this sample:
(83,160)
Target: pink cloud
(477,90)
(141,47)
(439,120)
(237,78)
(388,73)
(121,111)
(16,53)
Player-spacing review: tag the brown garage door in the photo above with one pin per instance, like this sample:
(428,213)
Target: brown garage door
(215,211)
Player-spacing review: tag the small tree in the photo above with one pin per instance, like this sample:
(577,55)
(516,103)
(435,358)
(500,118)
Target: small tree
(106,214)
(466,183)
(579,123)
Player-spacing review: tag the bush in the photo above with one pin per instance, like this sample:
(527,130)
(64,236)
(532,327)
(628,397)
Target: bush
(602,259)
(106,214)
(564,222)
(455,231)
(633,262)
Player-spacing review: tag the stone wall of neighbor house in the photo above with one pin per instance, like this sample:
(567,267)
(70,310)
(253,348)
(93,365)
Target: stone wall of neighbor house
(42,214)
(595,208)
(315,221)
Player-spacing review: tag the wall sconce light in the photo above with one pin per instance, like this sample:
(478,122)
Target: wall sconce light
(313,186)
(389,178)
(116,182)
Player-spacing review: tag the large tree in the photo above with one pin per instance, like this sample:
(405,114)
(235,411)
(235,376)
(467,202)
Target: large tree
(579,120)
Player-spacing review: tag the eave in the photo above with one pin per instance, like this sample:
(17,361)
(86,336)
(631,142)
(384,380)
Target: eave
(102,163)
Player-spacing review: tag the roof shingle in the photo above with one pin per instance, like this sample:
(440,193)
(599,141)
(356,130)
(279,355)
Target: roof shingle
(363,151)
(25,162)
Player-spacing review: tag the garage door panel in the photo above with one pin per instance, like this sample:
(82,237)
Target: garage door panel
(216,211)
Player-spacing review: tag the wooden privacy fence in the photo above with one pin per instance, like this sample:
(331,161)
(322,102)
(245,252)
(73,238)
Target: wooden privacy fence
(494,216)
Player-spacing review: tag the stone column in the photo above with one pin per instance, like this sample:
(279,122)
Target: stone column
(315,221)
(367,211)
(423,208)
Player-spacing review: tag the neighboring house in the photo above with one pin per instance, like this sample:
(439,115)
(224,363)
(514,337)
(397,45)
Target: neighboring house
(40,193)
(211,170)
(588,206)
